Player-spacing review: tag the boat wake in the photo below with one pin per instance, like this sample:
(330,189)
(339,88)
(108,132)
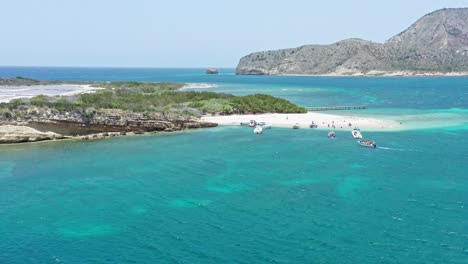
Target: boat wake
(397,149)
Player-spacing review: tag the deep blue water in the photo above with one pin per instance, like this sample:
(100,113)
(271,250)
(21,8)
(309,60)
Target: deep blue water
(224,195)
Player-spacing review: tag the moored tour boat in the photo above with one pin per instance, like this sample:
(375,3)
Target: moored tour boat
(258,130)
(252,123)
(356,133)
(367,143)
(331,134)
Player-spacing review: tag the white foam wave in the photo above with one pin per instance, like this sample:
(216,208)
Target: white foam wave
(397,149)
(199,86)
(8,93)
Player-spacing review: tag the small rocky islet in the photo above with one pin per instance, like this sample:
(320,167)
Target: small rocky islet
(212,71)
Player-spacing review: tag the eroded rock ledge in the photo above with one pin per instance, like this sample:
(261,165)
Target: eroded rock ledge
(18,134)
(48,124)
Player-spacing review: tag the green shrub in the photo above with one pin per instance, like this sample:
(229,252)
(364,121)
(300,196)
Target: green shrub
(15,103)
(39,100)
(7,115)
(64,105)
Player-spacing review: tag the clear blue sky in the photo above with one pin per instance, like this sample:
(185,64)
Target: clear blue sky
(191,33)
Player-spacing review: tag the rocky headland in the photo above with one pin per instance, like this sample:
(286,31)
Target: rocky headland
(18,134)
(436,44)
(38,124)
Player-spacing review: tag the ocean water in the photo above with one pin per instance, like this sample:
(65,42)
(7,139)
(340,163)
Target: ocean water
(225,195)
(376,92)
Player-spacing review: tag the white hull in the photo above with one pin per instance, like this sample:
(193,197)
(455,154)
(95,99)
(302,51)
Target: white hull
(356,134)
(258,130)
(367,144)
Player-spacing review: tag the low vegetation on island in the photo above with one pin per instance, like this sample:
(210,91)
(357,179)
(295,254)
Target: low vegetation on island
(156,97)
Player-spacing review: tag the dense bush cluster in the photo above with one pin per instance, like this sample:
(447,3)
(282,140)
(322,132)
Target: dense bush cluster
(163,97)
(263,103)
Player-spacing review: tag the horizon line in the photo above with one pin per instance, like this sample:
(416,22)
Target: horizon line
(110,67)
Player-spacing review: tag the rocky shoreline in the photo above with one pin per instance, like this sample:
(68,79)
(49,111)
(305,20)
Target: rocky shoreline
(39,124)
(11,134)
(363,74)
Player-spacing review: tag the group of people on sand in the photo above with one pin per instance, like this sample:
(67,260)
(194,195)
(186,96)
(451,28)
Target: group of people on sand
(313,125)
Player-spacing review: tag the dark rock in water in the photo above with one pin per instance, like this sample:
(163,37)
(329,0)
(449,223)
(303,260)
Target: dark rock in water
(212,71)
(436,44)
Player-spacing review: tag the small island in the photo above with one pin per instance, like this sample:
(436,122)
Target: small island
(121,108)
(212,71)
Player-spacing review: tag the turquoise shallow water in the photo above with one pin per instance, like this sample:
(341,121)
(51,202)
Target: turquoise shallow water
(224,195)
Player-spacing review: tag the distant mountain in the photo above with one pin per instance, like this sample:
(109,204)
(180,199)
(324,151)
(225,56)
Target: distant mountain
(437,44)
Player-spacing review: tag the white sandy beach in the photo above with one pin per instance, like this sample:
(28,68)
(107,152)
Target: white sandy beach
(324,121)
(429,120)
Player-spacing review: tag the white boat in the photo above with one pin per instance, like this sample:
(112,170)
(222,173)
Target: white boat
(252,123)
(367,143)
(258,130)
(356,133)
(331,134)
